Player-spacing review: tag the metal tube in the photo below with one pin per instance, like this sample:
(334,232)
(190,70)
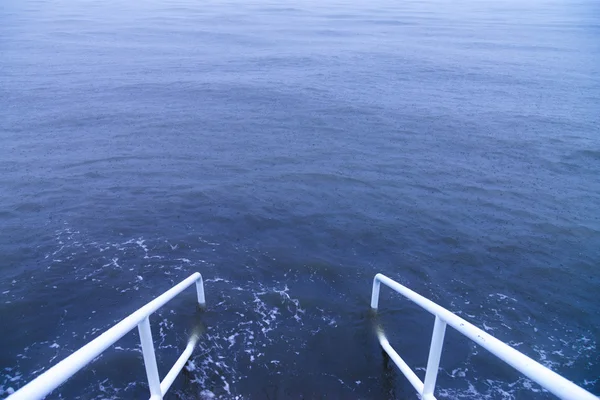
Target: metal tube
(58,374)
(400,363)
(375,293)
(200,291)
(178,366)
(435,353)
(150,359)
(551,381)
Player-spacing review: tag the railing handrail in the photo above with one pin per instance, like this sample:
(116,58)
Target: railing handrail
(58,374)
(547,378)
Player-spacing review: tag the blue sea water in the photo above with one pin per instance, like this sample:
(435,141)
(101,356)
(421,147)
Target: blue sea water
(289,151)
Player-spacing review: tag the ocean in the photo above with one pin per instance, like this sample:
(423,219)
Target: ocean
(289,151)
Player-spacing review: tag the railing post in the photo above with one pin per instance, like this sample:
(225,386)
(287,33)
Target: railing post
(375,292)
(200,291)
(435,353)
(150,359)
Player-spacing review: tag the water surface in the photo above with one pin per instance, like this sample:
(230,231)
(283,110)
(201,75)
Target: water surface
(288,152)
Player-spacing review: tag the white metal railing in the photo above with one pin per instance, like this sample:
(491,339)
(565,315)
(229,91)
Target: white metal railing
(548,379)
(57,375)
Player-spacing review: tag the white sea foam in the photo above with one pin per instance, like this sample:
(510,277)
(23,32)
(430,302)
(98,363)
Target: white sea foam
(254,317)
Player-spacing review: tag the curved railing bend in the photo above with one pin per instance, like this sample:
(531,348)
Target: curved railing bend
(58,374)
(548,379)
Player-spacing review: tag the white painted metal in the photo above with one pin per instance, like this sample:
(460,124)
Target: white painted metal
(548,379)
(410,375)
(200,290)
(435,354)
(149,359)
(178,366)
(57,375)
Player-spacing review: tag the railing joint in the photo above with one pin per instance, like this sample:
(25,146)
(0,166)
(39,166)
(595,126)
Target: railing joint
(548,379)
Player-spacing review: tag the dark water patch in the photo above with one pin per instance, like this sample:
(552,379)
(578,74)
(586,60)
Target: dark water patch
(593,155)
(390,22)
